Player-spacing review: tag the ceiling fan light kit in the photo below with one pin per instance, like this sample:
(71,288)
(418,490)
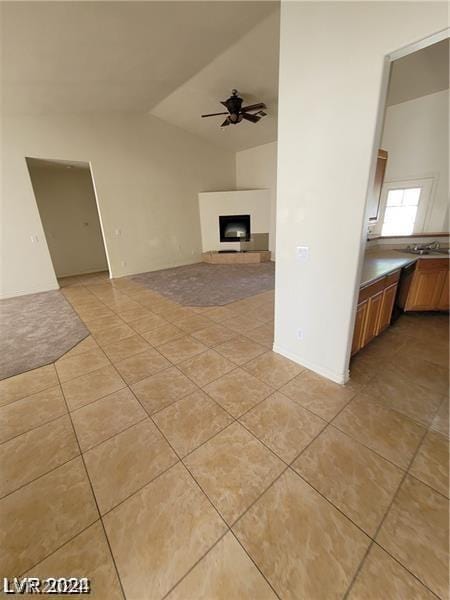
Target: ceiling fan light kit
(236,112)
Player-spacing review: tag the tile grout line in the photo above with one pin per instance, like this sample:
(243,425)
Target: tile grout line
(171,589)
(51,420)
(236,419)
(101,397)
(94,498)
(228,528)
(45,472)
(180,461)
(59,547)
(96,445)
(140,488)
(388,509)
(289,466)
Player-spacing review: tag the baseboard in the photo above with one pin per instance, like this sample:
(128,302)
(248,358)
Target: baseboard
(340,378)
(99,270)
(5,296)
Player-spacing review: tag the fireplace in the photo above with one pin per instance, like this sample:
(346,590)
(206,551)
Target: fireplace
(234,228)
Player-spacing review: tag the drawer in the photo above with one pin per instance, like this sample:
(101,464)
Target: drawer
(392,278)
(371,290)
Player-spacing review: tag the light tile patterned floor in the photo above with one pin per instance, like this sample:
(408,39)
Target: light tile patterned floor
(172,455)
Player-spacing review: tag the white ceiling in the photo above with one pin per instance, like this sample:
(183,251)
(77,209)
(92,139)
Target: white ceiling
(250,66)
(83,57)
(420,73)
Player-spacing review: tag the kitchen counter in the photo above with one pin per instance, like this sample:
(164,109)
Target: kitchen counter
(378,263)
(423,286)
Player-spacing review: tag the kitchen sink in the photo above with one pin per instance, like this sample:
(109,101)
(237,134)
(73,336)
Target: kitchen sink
(421,252)
(426,251)
(445,251)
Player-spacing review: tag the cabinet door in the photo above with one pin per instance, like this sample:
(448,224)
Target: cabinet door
(360,321)
(387,305)
(373,317)
(426,289)
(444,303)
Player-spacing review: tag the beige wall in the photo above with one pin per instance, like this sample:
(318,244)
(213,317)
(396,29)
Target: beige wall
(68,211)
(255,203)
(147,176)
(332,57)
(416,137)
(257,168)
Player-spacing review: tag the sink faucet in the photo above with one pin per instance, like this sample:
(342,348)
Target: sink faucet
(424,248)
(433,245)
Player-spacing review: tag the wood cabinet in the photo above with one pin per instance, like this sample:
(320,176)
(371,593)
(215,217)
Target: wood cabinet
(374,196)
(387,307)
(374,310)
(361,314)
(372,318)
(429,286)
(444,298)
(424,286)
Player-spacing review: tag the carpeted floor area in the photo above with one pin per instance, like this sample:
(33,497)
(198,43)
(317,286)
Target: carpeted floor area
(203,284)
(36,330)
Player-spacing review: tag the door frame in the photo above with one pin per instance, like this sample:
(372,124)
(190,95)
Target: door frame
(97,204)
(389,58)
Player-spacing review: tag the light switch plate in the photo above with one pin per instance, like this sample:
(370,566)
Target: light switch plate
(302,253)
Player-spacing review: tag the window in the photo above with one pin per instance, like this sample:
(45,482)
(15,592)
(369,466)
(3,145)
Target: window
(404,206)
(401,211)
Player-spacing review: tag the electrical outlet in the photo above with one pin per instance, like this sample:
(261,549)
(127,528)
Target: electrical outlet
(117,232)
(123,263)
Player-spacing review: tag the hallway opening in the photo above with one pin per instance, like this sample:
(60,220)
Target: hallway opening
(67,204)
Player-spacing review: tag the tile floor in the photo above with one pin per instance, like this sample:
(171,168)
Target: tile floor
(172,455)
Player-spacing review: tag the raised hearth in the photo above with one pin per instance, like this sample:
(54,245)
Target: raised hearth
(235,258)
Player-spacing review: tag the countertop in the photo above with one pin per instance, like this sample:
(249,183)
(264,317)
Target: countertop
(378,263)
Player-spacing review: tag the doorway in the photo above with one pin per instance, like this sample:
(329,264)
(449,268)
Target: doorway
(404,296)
(67,204)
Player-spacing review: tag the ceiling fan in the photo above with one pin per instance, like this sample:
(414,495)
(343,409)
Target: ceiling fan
(236,112)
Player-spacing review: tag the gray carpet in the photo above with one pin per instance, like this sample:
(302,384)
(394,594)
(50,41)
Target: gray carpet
(36,330)
(203,284)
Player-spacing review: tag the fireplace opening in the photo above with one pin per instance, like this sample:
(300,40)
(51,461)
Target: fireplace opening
(234,228)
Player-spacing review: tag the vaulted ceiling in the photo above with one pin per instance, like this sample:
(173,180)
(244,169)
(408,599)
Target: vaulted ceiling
(251,66)
(172,59)
(420,73)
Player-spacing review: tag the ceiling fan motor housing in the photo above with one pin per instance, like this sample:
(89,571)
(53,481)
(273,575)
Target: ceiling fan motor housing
(234,104)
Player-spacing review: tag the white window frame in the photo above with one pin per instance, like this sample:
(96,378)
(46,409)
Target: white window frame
(425,184)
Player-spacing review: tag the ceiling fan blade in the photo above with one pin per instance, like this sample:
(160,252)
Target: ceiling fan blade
(251,118)
(215,114)
(253,107)
(226,122)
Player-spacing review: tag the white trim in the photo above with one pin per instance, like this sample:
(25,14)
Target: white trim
(388,59)
(102,229)
(21,293)
(340,378)
(420,44)
(82,273)
(99,214)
